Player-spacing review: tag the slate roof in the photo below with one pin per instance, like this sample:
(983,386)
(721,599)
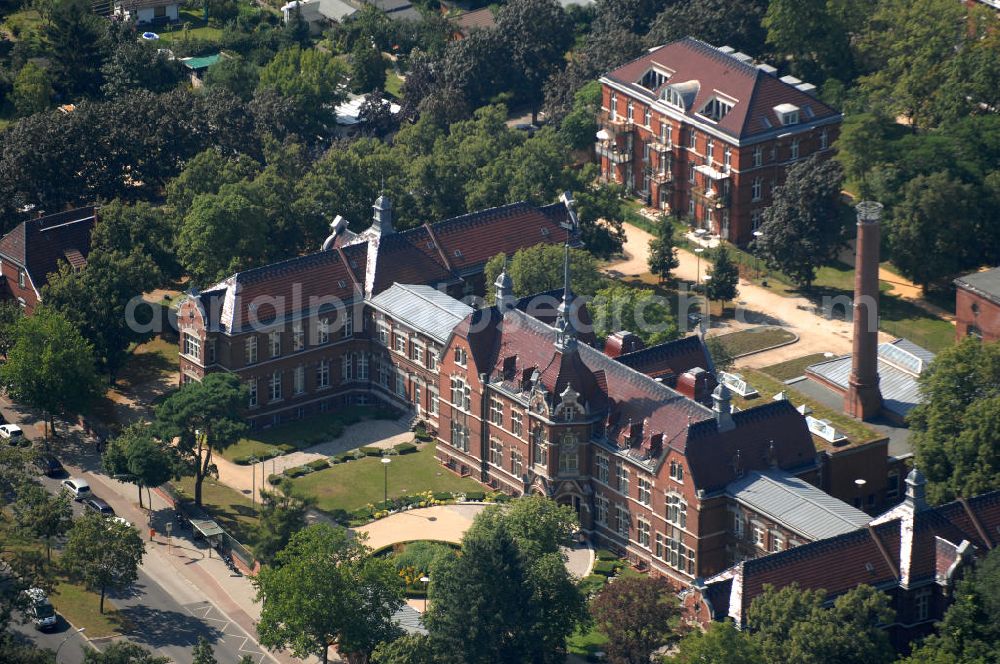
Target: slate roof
(754,91)
(38,245)
(985,284)
(796,504)
(425,309)
(900,363)
(669,360)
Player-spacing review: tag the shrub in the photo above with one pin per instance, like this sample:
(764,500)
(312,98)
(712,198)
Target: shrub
(592,583)
(273,480)
(604,568)
(242,461)
(604,554)
(297,471)
(474,495)
(422,556)
(336,459)
(335,430)
(405,448)
(370,451)
(286,448)
(319,464)
(443,495)
(345,457)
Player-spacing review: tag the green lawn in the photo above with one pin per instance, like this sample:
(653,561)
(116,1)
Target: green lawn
(393,83)
(230,508)
(586,643)
(755,339)
(793,368)
(197,29)
(353,485)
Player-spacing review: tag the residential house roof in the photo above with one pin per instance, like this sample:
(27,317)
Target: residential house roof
(37,245)
(795,504)
(134,5)
(986,284)
(204,62)
(475,20)
(700,72)
(425,309)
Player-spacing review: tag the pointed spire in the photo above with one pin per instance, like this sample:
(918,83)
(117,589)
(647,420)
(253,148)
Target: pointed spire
(566,338)
(382,219)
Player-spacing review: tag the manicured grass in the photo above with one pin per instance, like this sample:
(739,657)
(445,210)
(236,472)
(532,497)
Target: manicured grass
(393,83)
(586,643)
(755,339)
(903,318)
(231,509)
(793,368)
(353,485)
(198,29)
(856,431)
(81,607)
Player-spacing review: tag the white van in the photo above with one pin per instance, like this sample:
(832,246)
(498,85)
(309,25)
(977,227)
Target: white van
(77,488)
(11,433)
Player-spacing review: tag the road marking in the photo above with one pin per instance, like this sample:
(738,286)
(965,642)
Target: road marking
(231,631)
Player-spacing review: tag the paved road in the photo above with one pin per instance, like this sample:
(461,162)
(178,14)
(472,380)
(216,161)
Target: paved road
(167,614)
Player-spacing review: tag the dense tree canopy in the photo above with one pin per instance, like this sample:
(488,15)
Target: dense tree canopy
(539,269)
(103,553)
(638,614)
(638,310)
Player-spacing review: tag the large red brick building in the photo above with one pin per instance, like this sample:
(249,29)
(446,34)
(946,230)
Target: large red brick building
(977,305)
(706,134)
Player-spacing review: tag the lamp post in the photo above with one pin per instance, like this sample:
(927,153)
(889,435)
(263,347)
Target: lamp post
(860,483)
(385,484)
(698,251)
(425,580)
(756,257)
(253,482)
(81,630)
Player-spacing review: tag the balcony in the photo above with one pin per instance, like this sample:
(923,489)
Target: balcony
(664,177)
(661,148)
(615,154)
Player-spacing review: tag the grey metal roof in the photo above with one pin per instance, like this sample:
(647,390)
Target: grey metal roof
(336,10)
(900,363)
(796,504)
(422,308)
(410,620)
(985,283)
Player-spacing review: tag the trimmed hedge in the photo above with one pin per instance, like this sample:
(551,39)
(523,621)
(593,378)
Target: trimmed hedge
(443,495)
(297,471)
(405,448)
(319,464)
(345,457)
(604,568)
(273,480)
(424,437)
(370,451)
(476,496)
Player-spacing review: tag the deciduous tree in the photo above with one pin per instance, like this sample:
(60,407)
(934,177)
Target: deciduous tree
(663,252)
(367,67)
(539,269)
(638,310)
(123,228)
(601,211)
(32,90)
(359,595)
(103,553)
(41,514)
(122,652)
(721,643)
(311,81)
(135,456)
(725,277)
(282,515)
(638,615)
(228,219)
(203,653)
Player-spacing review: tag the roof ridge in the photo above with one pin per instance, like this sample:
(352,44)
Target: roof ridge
(277,266)
(804,485)
(648,350)
(716,54)
(411,288)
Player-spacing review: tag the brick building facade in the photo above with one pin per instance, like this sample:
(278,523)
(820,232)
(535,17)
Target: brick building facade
(703,133)
(977,305)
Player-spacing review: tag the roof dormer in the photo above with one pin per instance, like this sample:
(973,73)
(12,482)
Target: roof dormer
(717,107)
(788,114)
(681,95)
(654,78)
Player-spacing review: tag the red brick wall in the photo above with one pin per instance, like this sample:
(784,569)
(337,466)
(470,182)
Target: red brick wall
(13,289)
(986,319)
(868,462)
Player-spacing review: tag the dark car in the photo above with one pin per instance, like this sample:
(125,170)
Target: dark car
(48,465)
(97,505)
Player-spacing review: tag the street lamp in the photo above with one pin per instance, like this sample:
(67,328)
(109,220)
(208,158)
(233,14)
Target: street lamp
(425,580)
(385,485)
(253,482)
(698,251)
(81,630)
(756,257)
(860,483)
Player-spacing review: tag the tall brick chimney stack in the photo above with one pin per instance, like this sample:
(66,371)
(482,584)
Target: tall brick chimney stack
(863,399)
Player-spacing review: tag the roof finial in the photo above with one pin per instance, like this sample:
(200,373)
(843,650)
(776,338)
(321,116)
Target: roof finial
(566,338)
(504,288)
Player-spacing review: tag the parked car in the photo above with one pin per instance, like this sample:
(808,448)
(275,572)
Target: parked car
(95,504)
(77,488)
(40,610)
(11,433)
(48,465)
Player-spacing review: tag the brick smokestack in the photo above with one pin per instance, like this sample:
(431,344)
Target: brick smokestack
(863,399)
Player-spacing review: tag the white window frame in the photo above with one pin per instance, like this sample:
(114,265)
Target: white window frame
(758,156)
(274,343)
(192,346)
(252,392)
(250,351)
(299,380)
(323,374)
(756,189)
(274,387)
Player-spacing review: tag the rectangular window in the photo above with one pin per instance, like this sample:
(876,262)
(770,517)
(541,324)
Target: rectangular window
(516,423)
(676,471)
(459,436)
(362,366)
(383,371)
(496,411)
(274,387)
(777,543)
(623,519)
(727,157)
(417,352)
(496,452)
(383,333)
(323,374)
(433,407)
(755,219)
(416,395)
(643,529)
(250,350)
(614,105)
(738,525)
(323,331)
(461,359)
(630,109)
(540,448)
(516,462)
(602,510)
(692,140)
(569,459)
(347,330)
(20,278)
(658,552)
(757,189)
(460,397)
(432,358)
(758,537)
(347,368)
(758,156)
(892,485)
(401,385)
(691,173)
(824,140)
(710,151)
(645,490)
(274,340)
(299,382)
(252,388)
(676,510)
(621,475)
(210,351)
(922,604)
(601,461)
(648,118)
(298,337)
(192,346)
(399,342)
(795,149)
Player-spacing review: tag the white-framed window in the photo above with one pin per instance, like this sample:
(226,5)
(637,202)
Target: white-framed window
(417,352)
(250,350)
(623,520)
(383,333)
(399,342)
(603,473)
(496,411)
(755,218)
(691,208)
(601,505)
(614,105)
(621,478)
(459,436)
(347,329)
(630,111)
(692,139)
(676,471)
(516,423)
(922,604)
(383,371)
(460,394)
(323,374)
(691,174)
(678,555)
(323,331)
(777,542)
(540,448)
(299,380)
(709,150)
(648,117)
(274,387)
(642,528)
(252,391)
(347,368)
(192,346)
(569,455)
(759,537)
(795,149)
(298,337)
(757,189)
(432,407)
(362,366)
(892,485)
(496,452)
(738,525)
(824,139)
(461,357)
(659,551)
(274,341)
(758,156)
(400,384)
(516,462)
(20,277)
(645,490)
(432,358)
(676,510)
(727,157)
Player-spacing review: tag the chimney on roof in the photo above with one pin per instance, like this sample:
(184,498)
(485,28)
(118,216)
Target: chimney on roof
(807,88)
(863,399)
(767,69)
(723,408)
(504,289)
(916,494)
(382,219)
(622,342)
(694,384)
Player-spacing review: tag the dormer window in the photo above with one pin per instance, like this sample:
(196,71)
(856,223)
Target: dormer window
(653,79)
(716,109)
(788,114)
(674,98)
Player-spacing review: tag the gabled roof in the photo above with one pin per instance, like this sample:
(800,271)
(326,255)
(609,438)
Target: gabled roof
(38,245)
(669,359)
(475,20)
(796,504)
(985,284)
(425,309)
(701,72)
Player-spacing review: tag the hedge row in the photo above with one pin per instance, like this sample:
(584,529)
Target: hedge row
(405,448)
(278,450)
(319,464)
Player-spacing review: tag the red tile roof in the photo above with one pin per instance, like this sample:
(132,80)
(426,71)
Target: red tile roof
(670,359)
(475,20)
(38,245)
(754,91)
